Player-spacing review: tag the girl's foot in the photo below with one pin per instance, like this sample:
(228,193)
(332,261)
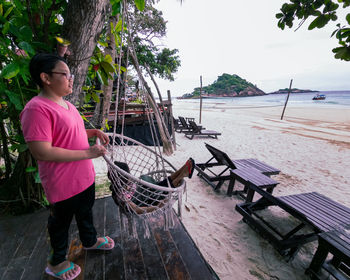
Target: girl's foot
(102,243)
(65,270)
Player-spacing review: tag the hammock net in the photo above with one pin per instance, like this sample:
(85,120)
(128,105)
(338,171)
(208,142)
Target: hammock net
(138,173)
(139,181)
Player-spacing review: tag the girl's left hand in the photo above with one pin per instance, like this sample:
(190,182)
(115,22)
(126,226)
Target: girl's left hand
(103,137)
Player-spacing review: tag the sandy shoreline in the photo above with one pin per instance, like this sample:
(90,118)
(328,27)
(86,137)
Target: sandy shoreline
(311,147)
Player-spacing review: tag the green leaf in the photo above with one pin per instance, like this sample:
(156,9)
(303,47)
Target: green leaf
(87,97)
(8,12)
(26,33)
(84,118)
(31,169)
(95,97)
(108,58)
(107,67)
(140,4)
(15,99)
(27,47)
(99,77)
(116,7)
(38,181)
(24,77)
(342,53)
(6,27)
(10,70)
(118,26)
(22,148)
(319,22)
(103,76)
(104,44)
(348,18)
(18,5)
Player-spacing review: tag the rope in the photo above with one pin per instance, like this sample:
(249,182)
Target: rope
(134,169)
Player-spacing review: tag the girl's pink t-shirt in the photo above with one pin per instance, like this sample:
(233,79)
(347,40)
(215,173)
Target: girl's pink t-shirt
(45,120)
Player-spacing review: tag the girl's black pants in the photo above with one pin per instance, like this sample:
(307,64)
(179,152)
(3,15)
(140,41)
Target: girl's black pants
(60,218)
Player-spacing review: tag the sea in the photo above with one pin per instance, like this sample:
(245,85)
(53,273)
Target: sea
(333,99)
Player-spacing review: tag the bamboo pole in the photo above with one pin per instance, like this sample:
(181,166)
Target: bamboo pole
(200,102)
(285,105)
(170,107)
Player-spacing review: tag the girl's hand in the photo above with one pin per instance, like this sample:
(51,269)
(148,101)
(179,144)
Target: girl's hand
(104,139)
(96,151)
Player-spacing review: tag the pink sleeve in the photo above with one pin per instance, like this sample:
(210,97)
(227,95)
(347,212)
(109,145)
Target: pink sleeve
(36,126)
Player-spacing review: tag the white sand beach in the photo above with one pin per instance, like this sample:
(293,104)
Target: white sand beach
(311,147)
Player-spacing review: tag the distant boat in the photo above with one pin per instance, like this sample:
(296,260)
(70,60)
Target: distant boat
(319,97)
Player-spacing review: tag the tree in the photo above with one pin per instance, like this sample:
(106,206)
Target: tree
(82,26)
(322,12)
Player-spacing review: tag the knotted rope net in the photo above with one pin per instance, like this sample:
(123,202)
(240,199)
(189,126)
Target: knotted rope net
(139,174)
(139,181)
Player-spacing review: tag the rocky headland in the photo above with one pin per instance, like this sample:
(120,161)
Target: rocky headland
(226,86)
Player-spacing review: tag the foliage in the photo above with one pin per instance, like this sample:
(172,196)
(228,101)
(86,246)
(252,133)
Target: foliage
(163,62)
(24,31)
(145,29)
(225,83)
(28,27)
(322,12)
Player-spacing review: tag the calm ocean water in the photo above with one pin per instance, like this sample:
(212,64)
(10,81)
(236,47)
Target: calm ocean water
(333,99)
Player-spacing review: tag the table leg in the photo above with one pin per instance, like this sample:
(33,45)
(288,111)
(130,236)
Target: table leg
(318,259)
(231,186)
(250,193)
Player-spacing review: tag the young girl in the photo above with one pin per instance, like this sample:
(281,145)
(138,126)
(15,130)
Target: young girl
(57,138)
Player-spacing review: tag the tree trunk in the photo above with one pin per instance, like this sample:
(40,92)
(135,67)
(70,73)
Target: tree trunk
(83,24)
(102,111)
(5,150)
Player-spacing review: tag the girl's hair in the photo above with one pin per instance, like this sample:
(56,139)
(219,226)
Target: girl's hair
(43,63)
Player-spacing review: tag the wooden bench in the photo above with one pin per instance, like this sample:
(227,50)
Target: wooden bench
(318,212)
(215,171)
(336,243)
(198,131)
(249,176)
(264,168)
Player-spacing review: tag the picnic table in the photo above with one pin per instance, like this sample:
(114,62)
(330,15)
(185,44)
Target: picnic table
(336,243)
(249,176)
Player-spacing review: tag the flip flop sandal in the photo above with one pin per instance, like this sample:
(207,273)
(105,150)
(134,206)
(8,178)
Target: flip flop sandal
(59,274)
(99,247)
(190,169)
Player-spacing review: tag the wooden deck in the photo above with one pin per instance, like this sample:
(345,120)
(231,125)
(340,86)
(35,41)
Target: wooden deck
(168,254)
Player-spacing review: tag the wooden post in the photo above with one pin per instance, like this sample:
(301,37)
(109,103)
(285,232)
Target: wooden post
(170,108)
(200,102)
(285,105)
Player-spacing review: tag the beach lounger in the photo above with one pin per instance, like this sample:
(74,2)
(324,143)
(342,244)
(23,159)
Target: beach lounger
(336,243)
(198,131)
(313,212)
(216,170)
(183,125)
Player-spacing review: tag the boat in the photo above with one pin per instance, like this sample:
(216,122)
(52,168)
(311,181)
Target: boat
(319,97)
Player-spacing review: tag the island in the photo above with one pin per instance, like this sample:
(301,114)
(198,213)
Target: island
(226,85)
(293,90)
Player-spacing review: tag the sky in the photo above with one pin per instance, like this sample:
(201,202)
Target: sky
(242,37)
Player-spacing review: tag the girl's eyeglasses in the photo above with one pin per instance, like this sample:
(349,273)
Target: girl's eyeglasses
(68,76)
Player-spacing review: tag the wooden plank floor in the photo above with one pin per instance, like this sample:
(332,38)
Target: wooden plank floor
(166,254)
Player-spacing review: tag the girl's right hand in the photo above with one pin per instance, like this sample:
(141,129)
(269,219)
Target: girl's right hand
(97,151)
